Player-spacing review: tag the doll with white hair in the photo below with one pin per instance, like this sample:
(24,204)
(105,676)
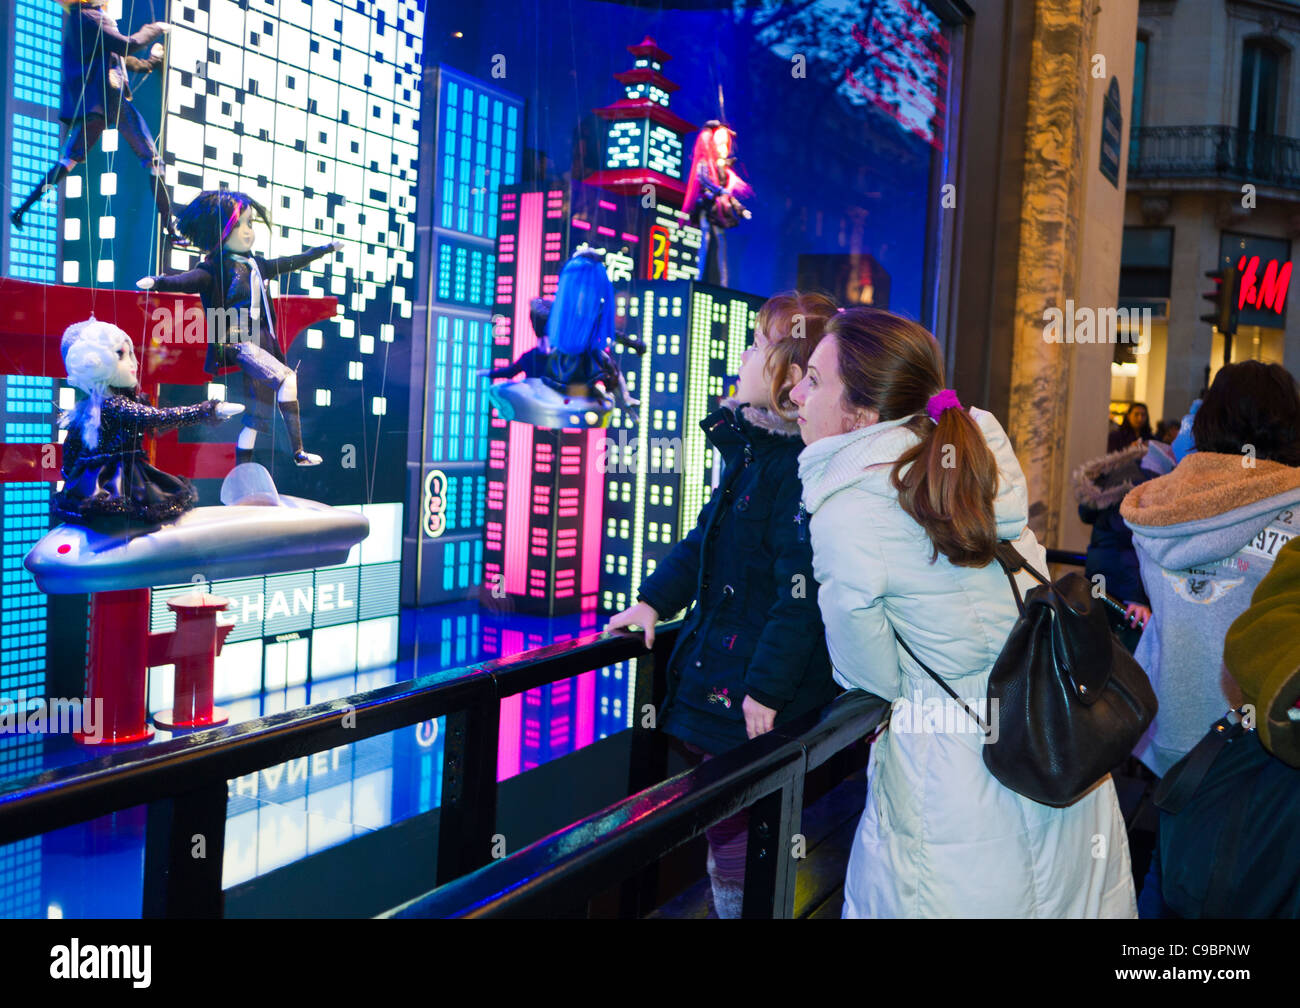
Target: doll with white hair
(108,481)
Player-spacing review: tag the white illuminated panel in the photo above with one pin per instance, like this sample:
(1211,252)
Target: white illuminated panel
(665,151)
(626,146)
(312,109)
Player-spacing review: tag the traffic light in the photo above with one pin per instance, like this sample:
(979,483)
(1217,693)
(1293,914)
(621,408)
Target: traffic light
(1224,299)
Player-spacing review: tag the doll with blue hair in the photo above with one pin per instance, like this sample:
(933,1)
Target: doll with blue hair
(232,283)
(572,371)
(109,484)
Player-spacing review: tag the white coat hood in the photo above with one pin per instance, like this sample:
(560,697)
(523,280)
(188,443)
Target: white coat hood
(865,458)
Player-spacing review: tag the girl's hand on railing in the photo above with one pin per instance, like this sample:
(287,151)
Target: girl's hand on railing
(758,719)
(642,615)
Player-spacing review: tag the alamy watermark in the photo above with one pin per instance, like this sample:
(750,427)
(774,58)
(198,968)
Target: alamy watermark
(54,716)
(1100,325)
(624,454)
(944,716)
(198,325)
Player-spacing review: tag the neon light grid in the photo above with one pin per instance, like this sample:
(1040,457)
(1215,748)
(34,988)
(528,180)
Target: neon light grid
(480,152)
(33,250)
(459,414)
(38,34)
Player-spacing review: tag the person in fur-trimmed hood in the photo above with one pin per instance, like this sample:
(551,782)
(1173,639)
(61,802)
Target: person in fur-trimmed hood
(1099,486)
(1206,535)
(752,651)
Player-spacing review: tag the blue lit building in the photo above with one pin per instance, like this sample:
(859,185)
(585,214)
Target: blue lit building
(474,142)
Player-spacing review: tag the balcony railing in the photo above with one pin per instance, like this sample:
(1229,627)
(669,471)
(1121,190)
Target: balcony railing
(1157,152)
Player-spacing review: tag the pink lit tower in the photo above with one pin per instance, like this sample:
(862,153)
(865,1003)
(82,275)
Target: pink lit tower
(544,513)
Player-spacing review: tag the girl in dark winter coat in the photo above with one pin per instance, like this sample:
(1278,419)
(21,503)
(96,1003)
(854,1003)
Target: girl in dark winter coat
(1099,486)
(752,652)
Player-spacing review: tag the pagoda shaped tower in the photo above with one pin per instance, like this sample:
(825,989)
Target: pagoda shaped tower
(643,137)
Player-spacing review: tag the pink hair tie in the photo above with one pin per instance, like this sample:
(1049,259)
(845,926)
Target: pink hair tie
(940,401)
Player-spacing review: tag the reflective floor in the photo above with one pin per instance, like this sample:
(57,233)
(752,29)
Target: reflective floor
(286,812)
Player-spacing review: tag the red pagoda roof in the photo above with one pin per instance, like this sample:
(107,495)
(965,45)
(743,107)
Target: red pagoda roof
(638,74)
(644,108)
(628,181)
(646,47)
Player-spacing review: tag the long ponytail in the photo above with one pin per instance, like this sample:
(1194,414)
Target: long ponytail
(947,482)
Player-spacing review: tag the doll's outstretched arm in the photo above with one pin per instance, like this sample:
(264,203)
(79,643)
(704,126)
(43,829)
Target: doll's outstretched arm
(94,27)
(155,420)
(157,56)
(196,281)
(287,264)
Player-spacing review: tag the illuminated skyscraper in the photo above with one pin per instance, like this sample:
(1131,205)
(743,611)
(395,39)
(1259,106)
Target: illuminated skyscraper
(660,473)
(474,143)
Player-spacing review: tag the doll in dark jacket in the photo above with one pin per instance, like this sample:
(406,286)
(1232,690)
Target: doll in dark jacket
(752,652)
(231,282)
(97,61)
(108,483)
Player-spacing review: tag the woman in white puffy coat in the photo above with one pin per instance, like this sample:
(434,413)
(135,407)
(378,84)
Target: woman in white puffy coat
(908,494)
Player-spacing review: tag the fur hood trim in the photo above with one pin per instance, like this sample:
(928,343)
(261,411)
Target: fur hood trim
(764,418)
(1103,482)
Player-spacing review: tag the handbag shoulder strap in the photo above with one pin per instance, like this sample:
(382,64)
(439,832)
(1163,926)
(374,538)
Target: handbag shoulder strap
(1009,557)
(946,688)
(1184,777)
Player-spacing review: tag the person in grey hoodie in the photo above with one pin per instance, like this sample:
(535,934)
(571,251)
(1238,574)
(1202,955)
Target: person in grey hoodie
(1205,535)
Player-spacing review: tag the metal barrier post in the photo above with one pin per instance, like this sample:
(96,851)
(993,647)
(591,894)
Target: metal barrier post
(647,764)
(469,786)
(184,850)
(774,822)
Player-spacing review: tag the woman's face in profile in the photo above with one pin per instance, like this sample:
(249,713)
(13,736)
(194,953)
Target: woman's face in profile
(820,397)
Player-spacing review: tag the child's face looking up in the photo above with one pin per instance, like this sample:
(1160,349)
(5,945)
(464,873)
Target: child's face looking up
(241,237)
(753,384)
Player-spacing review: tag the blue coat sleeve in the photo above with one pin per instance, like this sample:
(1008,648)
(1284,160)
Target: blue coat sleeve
(793,631)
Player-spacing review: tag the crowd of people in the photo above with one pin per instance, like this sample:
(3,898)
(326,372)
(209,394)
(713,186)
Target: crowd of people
(850,469)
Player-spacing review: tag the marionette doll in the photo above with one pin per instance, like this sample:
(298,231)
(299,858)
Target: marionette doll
(233,281)
(581,333)
(109,484)
(713,193)
(531,362)
(97,59)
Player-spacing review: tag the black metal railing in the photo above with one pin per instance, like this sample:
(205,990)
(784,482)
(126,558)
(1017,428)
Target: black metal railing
(1067,557)
(564,871)
(184,781)
(559,874)
(1213,151)
(184,784)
